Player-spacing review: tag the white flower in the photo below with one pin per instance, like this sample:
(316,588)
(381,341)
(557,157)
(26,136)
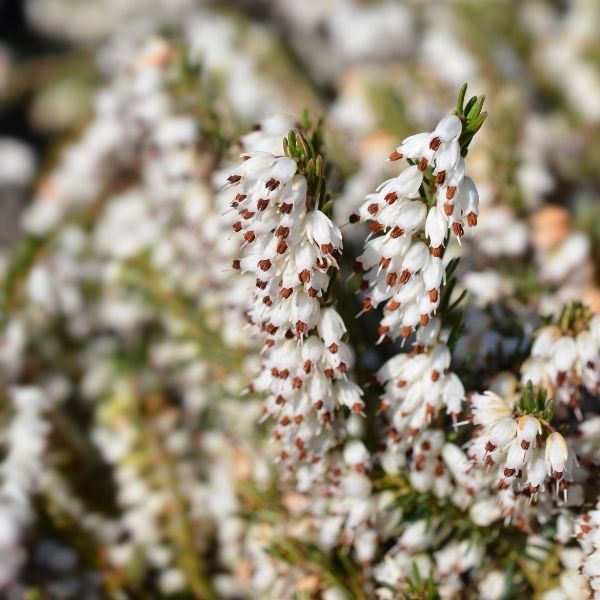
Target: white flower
(557,455)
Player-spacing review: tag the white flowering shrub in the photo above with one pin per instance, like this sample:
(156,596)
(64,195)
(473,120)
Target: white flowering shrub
(286,315)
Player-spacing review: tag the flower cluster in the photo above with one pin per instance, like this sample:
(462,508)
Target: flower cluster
(20,473)
(524,457)
(402,264)
(565,362)
(132,460)
(125,112)
(417,386)
(290,247)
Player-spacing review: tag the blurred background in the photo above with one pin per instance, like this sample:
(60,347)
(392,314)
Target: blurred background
(118,305)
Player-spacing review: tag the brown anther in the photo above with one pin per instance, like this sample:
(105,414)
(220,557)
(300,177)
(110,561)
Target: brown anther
(234,179)
(357,407)
(457,229)
(384,263)
(437,251)
(264,264)
(423,162)
(435,375)
(326,417)
(393,305)
(304,276)
(439,469)
(525,444)
(489,447)
(282,247)
(327,248)
(433,295)
(375,227)
(395,155)
(307,365)
(285,421)
(285,292)
(354,218)
(391,197)
(285,208)
(435,143)
(391,278)
(267,301)
(236,264)
(246,214)
(282,232)
(284,374)
(262,204)
(448,209)
(509,472)
(450,192)
(502,485)
(423,320)
(373,208)
(401,383)
(406,331)
(367,304)
(301,327)
(333,348)
(272,184)
(312,292)
(383,329)
(260,284)
(296,383)
(396,232)
(299,443)
(298,419)
(405,276)
(342,367)
(249,236)
(318,405)
(420,462)
(237,226)
(471,219)
(440,178)
(240,197)
(489,461)
(328,373)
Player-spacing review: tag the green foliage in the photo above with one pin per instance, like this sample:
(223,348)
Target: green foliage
(418,588)
(575,317)
(471,116)
(304,145)
(451,317)
(536,403)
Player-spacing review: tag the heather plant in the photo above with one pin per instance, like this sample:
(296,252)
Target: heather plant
(288,315)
